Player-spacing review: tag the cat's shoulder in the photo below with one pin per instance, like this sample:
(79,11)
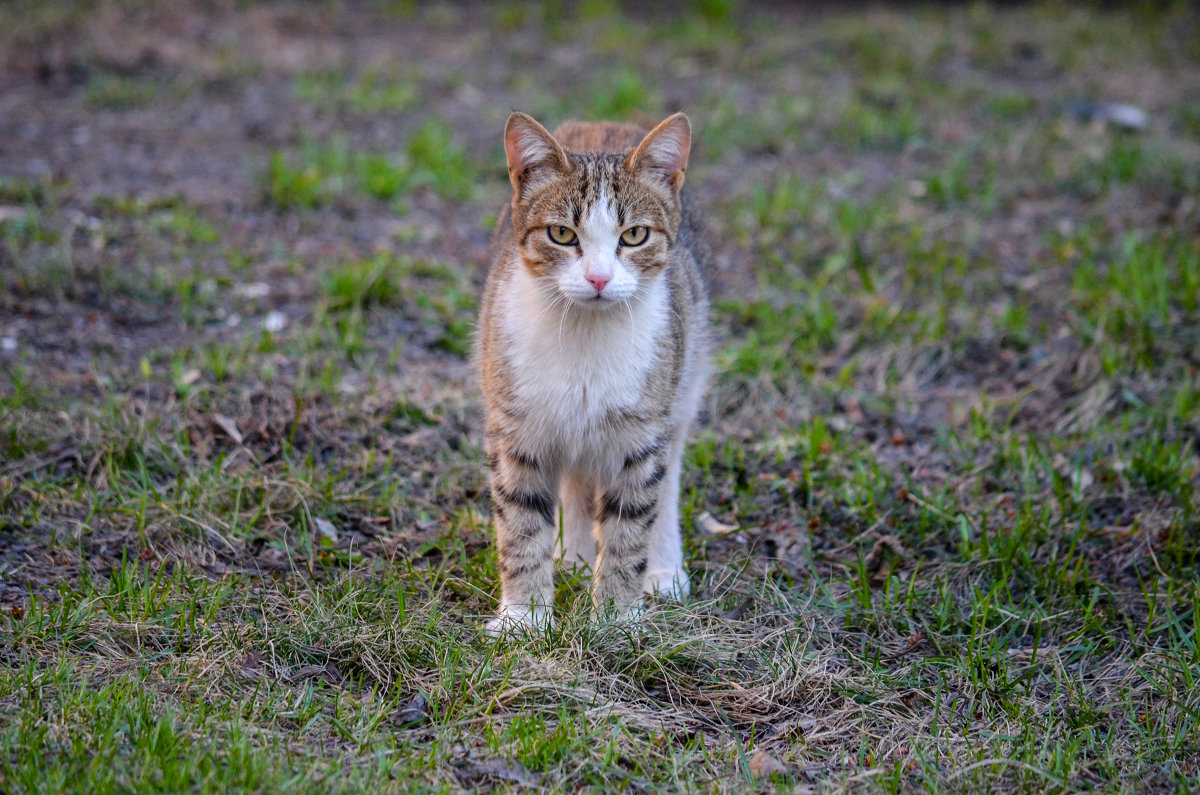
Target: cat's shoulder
(598,136)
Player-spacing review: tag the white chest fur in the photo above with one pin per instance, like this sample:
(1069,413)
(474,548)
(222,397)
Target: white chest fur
(572,365)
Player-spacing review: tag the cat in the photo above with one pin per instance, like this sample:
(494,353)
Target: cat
(592,349)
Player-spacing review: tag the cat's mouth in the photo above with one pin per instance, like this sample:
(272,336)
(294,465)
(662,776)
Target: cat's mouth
(600,300)
(595,300)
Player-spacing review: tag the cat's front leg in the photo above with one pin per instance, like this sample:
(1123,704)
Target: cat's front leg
(523,506)
(627,512)
(665,574)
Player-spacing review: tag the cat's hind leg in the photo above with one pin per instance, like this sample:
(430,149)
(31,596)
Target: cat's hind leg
(575,544)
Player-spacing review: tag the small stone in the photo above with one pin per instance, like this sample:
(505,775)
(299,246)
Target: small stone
(253,290)
(1122,116)
(274,321)
(327,529)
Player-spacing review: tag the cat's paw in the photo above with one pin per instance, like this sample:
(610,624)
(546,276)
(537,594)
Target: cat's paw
(668,583)
(518,621)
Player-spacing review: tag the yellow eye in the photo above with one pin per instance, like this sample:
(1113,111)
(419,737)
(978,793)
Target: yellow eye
(561,235)
(634,236)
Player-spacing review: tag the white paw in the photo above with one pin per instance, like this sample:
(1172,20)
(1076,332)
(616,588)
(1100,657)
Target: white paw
(667,583)
(518,620)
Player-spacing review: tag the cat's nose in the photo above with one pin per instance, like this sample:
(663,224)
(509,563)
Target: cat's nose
(599,281)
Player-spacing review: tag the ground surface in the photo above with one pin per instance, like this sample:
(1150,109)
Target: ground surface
(941,511)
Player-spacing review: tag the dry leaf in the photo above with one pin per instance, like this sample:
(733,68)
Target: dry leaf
(329,673)
(736,613)
(763,764)
(712,527)
(229,426)
(416,711)
(875,558)
(502,769)
(274,559)
(248,666)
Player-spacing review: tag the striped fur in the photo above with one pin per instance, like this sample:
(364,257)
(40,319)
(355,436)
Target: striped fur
(592,359)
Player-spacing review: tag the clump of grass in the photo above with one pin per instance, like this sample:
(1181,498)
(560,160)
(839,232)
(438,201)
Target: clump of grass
(22,191)
(1011,104)
(325,171)
(290,187)
(188,226)
(374,91)
(619,94)
(322,172)
(1144,298)
(968,179)
(440,162)
(120,92)
(433,296)
(367,283)
(873,119)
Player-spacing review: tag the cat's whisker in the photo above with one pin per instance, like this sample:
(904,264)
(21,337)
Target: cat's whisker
(561,321)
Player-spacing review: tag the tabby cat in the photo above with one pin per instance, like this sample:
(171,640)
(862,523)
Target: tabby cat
(592,350)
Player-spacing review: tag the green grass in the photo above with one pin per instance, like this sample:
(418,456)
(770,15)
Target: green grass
(322,172)
(950,446)
(373,92)
(107,91)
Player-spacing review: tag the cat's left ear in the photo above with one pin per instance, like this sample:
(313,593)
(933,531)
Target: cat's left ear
(533,154)
(664,151)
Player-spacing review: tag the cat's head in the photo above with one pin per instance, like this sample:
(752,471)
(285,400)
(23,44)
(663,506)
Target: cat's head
(596,227)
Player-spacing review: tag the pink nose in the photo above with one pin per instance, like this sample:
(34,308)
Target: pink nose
(598,282)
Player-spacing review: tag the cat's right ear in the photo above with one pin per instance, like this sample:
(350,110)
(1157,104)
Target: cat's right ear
(664,151)
(533,154)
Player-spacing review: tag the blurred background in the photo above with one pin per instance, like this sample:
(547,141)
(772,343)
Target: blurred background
(957,293)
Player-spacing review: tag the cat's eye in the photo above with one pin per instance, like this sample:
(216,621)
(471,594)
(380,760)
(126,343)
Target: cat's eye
(635,236)
(562,235)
